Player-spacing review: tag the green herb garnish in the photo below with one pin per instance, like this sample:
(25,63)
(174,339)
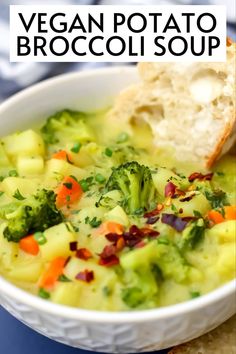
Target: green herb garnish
(13,173)
(195,294)
(94,222)
(108,152)
(76,148)
(43,293)
(163,240)
(106,291)
(86,183)
(63,278)
(217,198)
(18,195)
(68,185)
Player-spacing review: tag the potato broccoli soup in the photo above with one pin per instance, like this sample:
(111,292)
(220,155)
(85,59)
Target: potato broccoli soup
(94,217)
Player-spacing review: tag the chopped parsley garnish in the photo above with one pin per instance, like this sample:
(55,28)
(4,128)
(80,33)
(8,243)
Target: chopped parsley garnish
(106,291)
(43,293)
(163,240)
(75,212)
(197,214)
(63,278)
(13,173)
(94,222)
(217,198)
(40,238)
(108,152)
(18,195)
(76,180)
(174,209)
(195,294)
(76,148)
(86,183)
(68,185)
(221,174)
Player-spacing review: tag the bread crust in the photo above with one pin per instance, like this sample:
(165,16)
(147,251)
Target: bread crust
(200,131)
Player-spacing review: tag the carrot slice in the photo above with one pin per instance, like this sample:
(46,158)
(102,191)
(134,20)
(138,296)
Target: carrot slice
(29,245)
(69,192)
(229,214)
(51,275)
(61,155)
(111,227)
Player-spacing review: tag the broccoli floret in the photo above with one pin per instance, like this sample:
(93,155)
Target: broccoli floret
(37,213)
(136,185)
(66,123)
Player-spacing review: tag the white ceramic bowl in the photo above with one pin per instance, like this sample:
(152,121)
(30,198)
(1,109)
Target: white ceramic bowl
(128,332)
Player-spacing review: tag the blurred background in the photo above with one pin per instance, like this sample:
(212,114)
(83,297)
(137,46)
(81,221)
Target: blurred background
(16,76)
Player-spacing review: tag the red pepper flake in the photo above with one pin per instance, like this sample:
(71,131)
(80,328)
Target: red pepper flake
(187,198)
(73,246)
(109,261)
(83,253)
(155,211)
(108,251)
(86,276)
(189,218)
(174,221)
(112,237)
(170,189)
(179,192)
(200,176)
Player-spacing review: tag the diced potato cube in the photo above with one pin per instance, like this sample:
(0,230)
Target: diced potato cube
(198,202)
(118,215)
(25,186)
(25,143)
(66,294)
(75,265)
(30,165)
(4,161)
(57,169)
(226,264)
(26,271)
(58,242)
(224,232)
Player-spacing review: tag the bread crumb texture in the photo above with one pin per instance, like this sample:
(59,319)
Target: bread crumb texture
(190,107)
(221,340)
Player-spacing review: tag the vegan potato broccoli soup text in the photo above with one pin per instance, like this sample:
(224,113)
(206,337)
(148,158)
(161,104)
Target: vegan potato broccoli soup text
(94,217)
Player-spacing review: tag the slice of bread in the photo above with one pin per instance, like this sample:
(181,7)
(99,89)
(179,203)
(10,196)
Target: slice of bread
(190,107)
(221,340)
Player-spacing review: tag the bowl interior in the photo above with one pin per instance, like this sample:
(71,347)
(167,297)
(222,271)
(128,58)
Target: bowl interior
(85,91)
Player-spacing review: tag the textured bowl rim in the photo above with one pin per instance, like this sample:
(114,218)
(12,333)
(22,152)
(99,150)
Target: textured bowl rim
(13,292)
